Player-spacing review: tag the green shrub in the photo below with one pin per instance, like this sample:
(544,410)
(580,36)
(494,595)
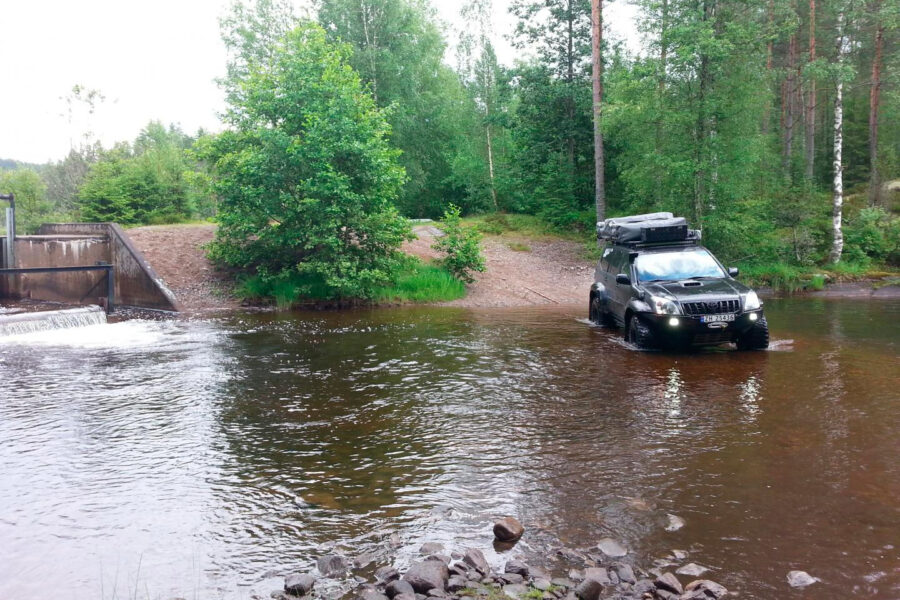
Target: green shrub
(461,247)
(305,176)
(872,235)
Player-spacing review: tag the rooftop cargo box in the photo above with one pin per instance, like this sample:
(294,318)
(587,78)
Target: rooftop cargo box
(648,229)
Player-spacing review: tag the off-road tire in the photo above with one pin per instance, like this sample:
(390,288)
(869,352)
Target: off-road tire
(598,315)
(757,338)
(639,335)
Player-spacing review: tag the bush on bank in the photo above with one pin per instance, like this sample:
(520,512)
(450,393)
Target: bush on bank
(305,176)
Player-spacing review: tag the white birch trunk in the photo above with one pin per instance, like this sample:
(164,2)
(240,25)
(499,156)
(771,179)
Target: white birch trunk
(837,247)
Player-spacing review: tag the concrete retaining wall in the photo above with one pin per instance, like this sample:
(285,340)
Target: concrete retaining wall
(83,244)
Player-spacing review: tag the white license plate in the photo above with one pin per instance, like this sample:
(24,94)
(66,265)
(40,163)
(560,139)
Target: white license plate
(717,318)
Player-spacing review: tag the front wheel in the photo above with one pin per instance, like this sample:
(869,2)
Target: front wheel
(638,334)
(757,338)
(597,313)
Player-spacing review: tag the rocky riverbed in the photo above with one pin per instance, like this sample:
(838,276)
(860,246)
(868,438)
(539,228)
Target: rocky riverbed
(603,572)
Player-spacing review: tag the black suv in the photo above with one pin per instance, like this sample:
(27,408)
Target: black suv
(666,290)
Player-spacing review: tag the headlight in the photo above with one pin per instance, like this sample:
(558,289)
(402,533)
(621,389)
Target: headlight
(661,306)
(751,301)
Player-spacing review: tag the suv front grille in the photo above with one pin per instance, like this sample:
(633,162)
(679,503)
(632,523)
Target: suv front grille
(713,307)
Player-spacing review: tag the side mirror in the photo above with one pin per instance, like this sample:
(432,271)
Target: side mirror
(622,279)
(733,271)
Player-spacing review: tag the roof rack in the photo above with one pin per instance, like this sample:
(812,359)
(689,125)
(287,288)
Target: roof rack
(649,229)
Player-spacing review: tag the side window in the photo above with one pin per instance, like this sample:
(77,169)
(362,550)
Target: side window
(615,262)
(604,260)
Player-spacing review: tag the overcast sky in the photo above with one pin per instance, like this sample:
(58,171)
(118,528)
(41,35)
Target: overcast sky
(152,60)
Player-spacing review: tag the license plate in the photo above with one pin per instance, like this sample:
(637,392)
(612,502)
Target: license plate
(717,318)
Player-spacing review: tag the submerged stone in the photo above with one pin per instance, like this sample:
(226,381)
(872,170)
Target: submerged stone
(799,579)
(708,589)
(692,570)
(612,548)
(299,584)
(675,523)
(332,565)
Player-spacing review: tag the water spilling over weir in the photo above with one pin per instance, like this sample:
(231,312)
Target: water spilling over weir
(33,322)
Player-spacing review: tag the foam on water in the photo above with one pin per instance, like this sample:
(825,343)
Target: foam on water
(127,334)
(25,323)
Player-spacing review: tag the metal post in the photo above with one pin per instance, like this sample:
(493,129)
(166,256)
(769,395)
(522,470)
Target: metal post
(10,254)
(110,289)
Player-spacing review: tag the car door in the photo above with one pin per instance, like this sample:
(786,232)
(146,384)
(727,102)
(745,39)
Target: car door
(619,294)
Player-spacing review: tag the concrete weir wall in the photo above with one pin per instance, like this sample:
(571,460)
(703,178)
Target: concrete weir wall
(85,244)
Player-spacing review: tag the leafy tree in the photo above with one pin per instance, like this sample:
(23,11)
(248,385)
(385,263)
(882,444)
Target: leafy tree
(32,207)
(399,52)
(461,246)
(553,128)
(143,182)
(489,88)
(305,176)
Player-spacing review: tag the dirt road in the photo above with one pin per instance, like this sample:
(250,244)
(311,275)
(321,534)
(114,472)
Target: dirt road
(519,272)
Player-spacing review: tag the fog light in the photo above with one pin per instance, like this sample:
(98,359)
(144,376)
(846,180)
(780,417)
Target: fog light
(673,322)
(754,316)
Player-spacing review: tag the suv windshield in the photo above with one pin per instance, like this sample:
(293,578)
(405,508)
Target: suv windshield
(675,266)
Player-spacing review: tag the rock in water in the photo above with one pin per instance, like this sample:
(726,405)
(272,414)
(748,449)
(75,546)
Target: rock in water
(692,570)
(370,594)
(431,548)
(395,588)
(799,579)
(517,567)
(675,523)
(705,589)
(669,582)
(612,548)
(624,572)
(299,584)
(475,559)
(599,574)
(332,565)
(589,589)
(386,574)
(427,575)
(508,529)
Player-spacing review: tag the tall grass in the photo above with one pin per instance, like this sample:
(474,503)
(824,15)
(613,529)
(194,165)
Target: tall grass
(791,278)
(422,283)
(416,282)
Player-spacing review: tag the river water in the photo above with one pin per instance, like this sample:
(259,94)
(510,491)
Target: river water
(206,458)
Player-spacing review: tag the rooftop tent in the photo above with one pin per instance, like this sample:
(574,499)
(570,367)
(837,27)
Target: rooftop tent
(650,228)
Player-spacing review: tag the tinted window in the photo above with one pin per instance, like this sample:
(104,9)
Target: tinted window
(675,266)
(616,260)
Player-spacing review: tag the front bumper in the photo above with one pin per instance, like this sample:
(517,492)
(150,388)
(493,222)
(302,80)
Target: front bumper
(689,331)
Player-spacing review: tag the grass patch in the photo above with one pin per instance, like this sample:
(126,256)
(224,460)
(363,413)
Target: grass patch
(415,283)
(519,226)
(518,246)
(422,283)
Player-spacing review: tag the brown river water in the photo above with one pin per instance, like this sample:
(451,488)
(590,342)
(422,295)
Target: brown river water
(207,458)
